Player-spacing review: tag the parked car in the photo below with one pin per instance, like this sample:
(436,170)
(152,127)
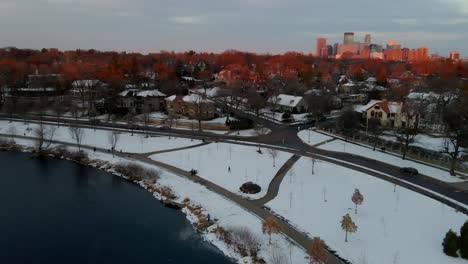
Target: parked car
(409,170)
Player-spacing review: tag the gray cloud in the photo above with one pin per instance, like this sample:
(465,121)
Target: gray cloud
(209,25)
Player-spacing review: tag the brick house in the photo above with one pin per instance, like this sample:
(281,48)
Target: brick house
(193,106)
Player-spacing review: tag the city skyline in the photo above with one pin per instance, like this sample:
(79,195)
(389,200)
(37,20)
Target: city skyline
(248,25)
(352,48)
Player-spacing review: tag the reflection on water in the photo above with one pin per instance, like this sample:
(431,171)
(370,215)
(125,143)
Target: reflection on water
(54,211)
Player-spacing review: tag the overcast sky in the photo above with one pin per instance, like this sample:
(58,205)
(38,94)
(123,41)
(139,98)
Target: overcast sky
(216,25)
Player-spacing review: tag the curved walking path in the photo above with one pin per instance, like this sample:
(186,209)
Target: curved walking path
(273,187)
(176,149)
(299,238)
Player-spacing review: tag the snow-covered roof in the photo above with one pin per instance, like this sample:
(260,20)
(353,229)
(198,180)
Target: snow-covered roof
(370,104)
(286,100)
(210,92)
(422,96)
(191,79)
(142,93)
(349,84)
(139,85)
(388,107)
(150,93)
(42,89)
(85,83)
(192,98)
(394,107)
(195,98)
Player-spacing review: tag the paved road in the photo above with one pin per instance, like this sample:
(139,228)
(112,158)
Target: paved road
(273,187)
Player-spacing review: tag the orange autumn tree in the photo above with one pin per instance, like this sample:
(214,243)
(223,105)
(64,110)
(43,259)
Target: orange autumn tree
(270,226)
(317,253)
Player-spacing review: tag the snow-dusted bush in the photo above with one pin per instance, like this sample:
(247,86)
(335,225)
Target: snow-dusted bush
(136,172)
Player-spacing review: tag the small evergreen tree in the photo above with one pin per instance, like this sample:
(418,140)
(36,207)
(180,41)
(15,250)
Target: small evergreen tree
(464,240)
(451,244)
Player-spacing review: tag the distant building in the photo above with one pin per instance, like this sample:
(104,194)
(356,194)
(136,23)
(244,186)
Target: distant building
(393,45)
(418,54)
(367,40)
(454,55)
(321,45)
(348,38)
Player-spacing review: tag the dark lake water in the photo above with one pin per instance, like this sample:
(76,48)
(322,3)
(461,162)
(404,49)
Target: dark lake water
(54,211)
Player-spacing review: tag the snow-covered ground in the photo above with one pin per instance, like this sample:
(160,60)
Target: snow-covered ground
(212,162)
(228,214)
(401,227)
(423,141)
(99,138)
(248,133)
(312,138)
(342,146)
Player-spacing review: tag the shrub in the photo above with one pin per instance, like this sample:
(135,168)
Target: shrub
(245,241)
(451,244)
(464,240)
(136,172)
(167,192)
(250,188)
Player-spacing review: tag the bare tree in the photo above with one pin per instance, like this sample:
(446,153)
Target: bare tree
(375,130)
(456,132)
(261,131)
(146,116)
(77,134)
(357,199)
(273,153)
(44,136)
(245,240)
(405,137)
(348,123)
(277,256)
(113,138)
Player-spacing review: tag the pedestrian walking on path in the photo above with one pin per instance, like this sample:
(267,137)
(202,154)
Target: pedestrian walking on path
(229,169)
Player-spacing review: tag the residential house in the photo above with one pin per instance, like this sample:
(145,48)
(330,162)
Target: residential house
(137,101)
(193,106)
(288,103)
(391,114)
(40,85)
(90,89)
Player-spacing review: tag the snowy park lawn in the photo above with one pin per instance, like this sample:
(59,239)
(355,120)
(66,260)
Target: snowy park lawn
(342,146)
(315,138)
(230,216)
(401,227)
(212,162)
(99,138)
(422,141)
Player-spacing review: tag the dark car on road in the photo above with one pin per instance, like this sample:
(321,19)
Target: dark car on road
(409,170)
